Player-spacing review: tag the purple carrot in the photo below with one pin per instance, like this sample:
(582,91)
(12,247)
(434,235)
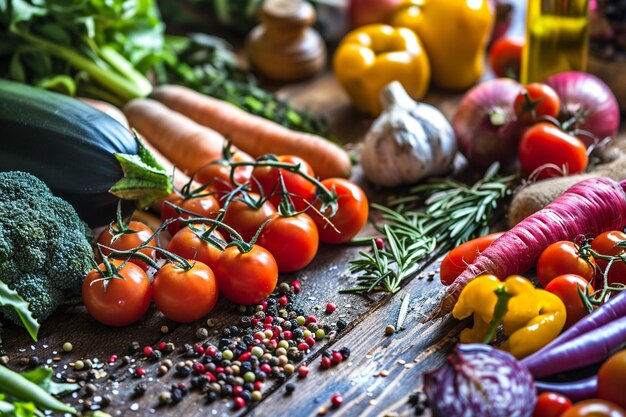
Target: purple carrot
(587,349)
(590,207)
(574,390)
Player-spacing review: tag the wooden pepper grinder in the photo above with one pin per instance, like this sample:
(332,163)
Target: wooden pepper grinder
(284,47)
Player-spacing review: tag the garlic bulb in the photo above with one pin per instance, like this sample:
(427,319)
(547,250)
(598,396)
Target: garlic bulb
(407,142)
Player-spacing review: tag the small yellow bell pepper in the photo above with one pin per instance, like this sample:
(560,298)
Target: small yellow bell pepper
(372,56)
(455,34)
(531,317)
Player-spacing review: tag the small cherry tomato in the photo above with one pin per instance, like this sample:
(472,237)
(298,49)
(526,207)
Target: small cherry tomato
(545,144)
(566,288)
(185,295)
(562,258)
(536,100)
(246,277)
(293,241)
(606,244)
(458,258)
(505,56)
(128,238)
(551,404)
(247,219)
(203,206)
(218,175)
(350,217)
(190,243)
(612,379)
(595,408)
(302,191)
(123,301)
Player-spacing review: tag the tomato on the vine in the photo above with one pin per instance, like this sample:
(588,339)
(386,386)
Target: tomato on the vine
(218,175)
(595,408)
(351,215)
(536,100)
(606,244)
(293,241)
(612,379)
(544,144)
(128,237)
(246,277)
(245,218)
(505,56)
(185,295)
(460,257)
(188,243)
(302,190)
(566,288)
(562,258)
(551,404)
(203,206)
(124,300)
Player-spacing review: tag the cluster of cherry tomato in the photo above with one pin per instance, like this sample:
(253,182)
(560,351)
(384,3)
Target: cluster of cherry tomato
(252,221)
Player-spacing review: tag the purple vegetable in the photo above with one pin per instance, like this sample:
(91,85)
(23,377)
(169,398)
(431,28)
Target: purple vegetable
(589,348)
(480,380)
(574,390)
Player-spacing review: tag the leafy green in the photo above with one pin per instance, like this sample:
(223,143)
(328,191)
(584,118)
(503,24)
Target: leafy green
(43,378)
(11,298)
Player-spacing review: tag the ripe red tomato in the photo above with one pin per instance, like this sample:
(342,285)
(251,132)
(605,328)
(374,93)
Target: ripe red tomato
(551,404)
(123,301)
(203,206)
(350,217)
(246,219)
(293,241)
(458,258)
(612,379)
(134,235)
(505,56)
(544,144)
(218,175)
(566,288)
(595,408)
(246,277)
(536,100)
(185,295)
(605,244)
(189,244)
(268,179)
(562,258)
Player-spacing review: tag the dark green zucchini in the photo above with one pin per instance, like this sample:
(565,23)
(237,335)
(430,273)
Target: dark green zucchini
(85,156)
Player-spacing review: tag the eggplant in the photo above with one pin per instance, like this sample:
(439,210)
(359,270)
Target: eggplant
(85,156)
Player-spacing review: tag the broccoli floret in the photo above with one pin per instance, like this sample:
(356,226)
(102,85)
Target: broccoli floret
(44,247)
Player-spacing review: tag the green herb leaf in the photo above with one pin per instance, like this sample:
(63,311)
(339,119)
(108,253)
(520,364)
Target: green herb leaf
(11,298)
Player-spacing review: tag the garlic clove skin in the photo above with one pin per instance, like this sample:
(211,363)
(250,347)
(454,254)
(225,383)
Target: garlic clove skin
(408,142)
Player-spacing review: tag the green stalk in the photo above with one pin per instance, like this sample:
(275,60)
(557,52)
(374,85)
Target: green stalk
(121,64)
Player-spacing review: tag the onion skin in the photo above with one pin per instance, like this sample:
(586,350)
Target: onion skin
(480,381)
(480,140)
(586,93)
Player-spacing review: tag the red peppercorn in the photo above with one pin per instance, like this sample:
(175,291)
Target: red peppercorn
(237,389)
(244,356)
(296,286)
(267,326)
(266,368)
(258,385)
(211,351)
(269,320)
(198,367)
(239,402)
(147,351)
(181,386)
(199,349)
(283,300)
(212,377)
(162,345)
(303,370)
(264,304)
(337,357)
(113,358)
(380,244)
(326,362)
(140,372)
(336,400)
(309,320)
(273,344)
(254,322)
(219,370)
(303,346)
(287,334)
(330,307)
(310,341)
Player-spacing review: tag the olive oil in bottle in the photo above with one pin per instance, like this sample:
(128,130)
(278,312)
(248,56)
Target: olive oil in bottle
(557,38)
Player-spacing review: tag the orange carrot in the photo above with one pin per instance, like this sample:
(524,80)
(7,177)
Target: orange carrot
(256,135)
(181,140)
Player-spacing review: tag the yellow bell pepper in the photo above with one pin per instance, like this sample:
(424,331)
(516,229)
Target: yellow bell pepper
(531,317)
(372,56)
(455,34)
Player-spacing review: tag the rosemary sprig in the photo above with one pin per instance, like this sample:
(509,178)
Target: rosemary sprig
(439,214)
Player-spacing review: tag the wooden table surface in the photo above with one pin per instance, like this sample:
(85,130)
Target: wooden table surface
(403,357)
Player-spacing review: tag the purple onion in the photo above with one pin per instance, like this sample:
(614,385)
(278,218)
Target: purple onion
(586,96)
(480,381)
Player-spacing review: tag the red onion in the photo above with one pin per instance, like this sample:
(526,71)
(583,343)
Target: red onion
(480,380)
(588,97)
(485,123)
